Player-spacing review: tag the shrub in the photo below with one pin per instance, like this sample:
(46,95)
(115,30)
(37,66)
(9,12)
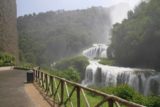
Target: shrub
(153,101)
(69,74)
(123,91)
(25,66)
(128,93)
(78,63)
(6,59)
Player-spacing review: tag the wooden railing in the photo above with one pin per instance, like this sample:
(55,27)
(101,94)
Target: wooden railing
(69,94)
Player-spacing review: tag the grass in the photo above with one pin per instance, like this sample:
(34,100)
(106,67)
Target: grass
(92,99)
(24,66)
(106,61)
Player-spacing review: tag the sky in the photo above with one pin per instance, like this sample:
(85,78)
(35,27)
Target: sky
(36,6)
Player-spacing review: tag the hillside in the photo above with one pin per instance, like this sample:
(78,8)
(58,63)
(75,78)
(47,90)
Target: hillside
(8,30)
(136,40)
(50,36)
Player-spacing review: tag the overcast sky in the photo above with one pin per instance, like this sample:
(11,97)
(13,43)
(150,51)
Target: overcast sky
(30,6)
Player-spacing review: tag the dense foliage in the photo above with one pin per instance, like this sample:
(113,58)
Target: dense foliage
(70,74)
(48,37)
(6,59)
(128,93)
(77,63)
(136,40)
(72,69)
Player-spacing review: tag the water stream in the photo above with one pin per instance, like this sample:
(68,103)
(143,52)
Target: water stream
(146,81)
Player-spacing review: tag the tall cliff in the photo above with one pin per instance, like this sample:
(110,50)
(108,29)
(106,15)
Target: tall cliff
(8,27)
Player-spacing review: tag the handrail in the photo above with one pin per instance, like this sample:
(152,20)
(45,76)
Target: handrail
(48,82)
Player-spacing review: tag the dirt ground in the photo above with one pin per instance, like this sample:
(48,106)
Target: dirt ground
(35,96)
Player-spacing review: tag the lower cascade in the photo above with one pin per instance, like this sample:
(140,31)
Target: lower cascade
(146,81)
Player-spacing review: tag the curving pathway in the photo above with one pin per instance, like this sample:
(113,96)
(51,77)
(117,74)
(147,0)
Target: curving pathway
(15,93)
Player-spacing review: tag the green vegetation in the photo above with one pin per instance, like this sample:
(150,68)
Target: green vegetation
(48,37)
(70,74)
(71,68)
(153,101)
(92,100)
(24,66)
(6,59)
(122,91)
(128,93)
(51,36)
(78,62)
(135,42)
(106,61)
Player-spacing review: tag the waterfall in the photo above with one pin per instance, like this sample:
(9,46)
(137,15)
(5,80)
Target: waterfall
(97,51)
(146,81)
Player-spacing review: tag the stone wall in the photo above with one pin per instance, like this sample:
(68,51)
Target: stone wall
(8,27)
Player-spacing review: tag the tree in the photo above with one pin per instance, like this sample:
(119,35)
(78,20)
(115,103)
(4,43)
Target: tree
(135,42)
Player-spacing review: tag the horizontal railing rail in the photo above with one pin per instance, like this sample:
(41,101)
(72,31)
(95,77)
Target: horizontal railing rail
(69,94)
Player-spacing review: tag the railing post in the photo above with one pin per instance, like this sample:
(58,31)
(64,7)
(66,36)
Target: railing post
(62,91)
(52,87)
(78,97)
(110,103)
(42,79)
(38,77)
(46,82)
(34,75)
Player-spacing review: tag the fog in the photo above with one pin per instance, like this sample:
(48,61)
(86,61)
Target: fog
(36,6)
(64,33)
(121,7)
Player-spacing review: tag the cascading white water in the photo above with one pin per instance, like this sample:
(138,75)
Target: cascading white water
(146,81)
(97,51)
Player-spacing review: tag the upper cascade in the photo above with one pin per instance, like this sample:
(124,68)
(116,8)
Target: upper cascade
(96,51)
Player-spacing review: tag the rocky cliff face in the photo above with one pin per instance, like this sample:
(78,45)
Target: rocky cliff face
(8,27)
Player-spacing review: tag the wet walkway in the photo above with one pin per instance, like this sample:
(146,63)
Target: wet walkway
(15,93)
